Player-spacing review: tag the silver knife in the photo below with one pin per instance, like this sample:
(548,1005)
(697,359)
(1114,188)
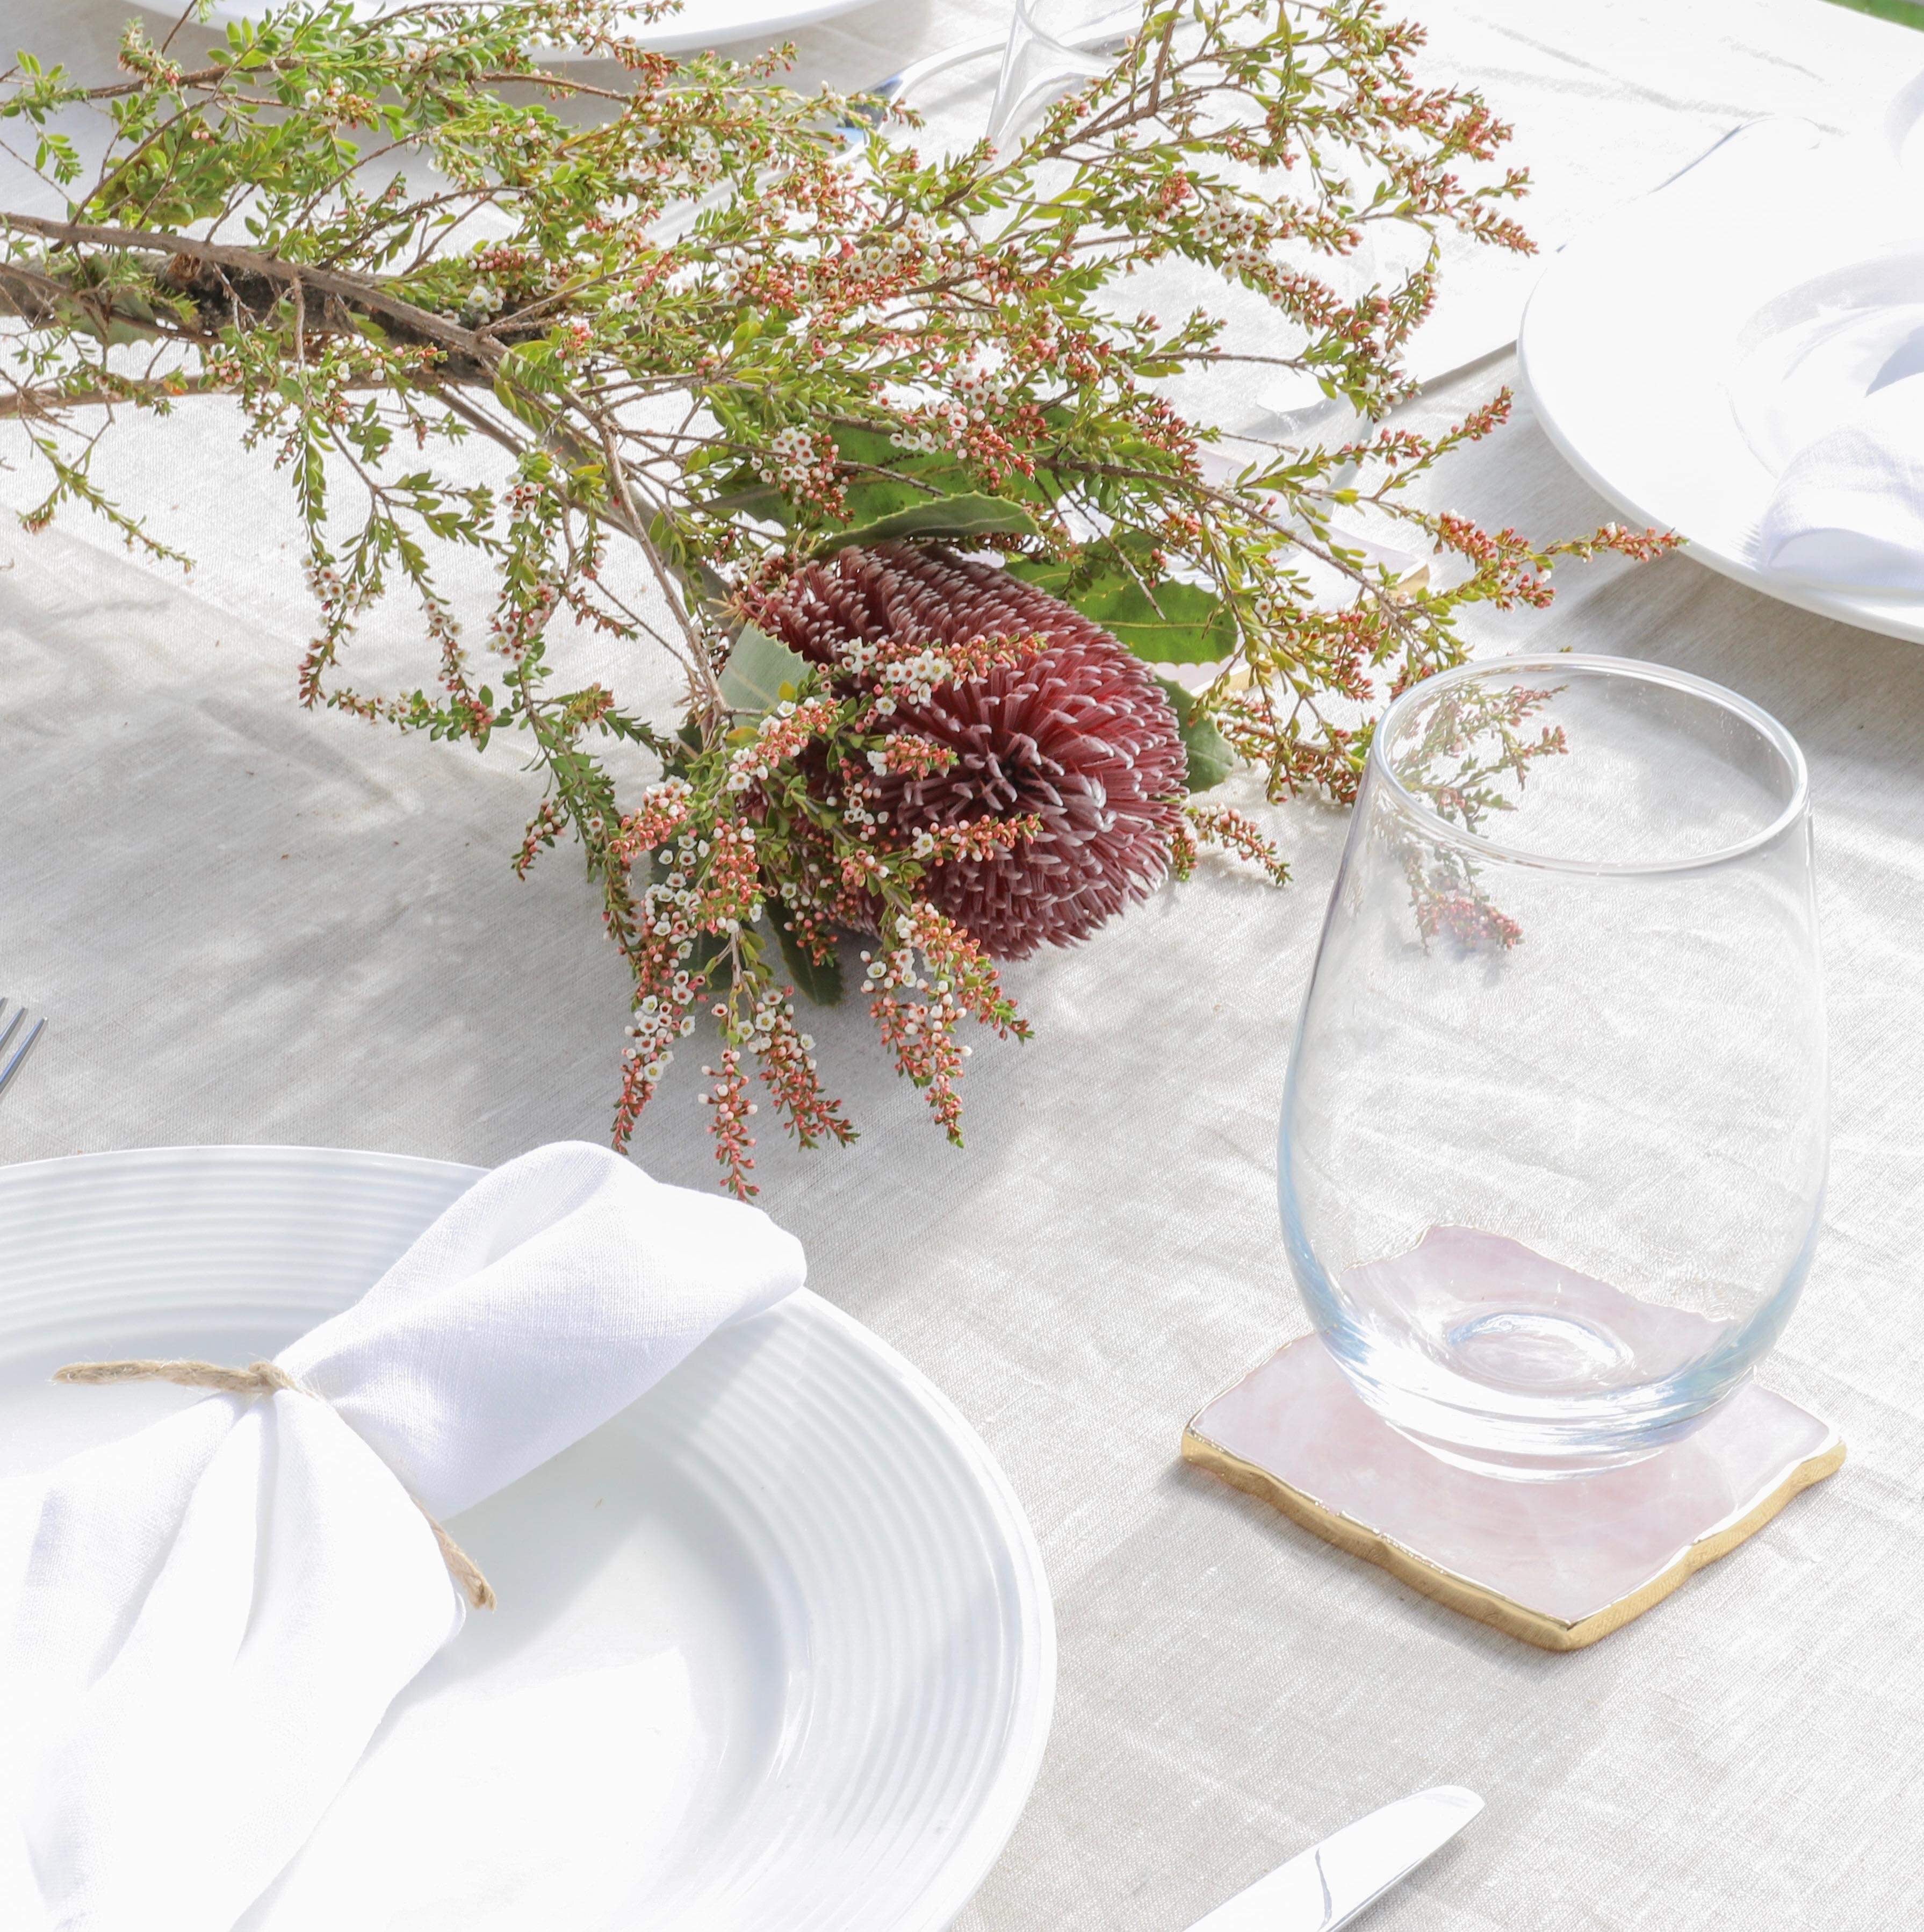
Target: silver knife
(1327,1885)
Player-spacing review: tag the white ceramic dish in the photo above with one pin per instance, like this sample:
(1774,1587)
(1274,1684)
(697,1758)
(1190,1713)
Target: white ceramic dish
(700,23)
(1668,351)
(720,23)
(783,1620)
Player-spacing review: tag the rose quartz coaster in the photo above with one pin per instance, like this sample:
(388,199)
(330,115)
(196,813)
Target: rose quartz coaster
(1557,1564)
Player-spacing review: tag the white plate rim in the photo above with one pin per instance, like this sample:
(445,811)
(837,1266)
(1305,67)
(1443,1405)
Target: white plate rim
(978,1846)
(1895,617)
(1883,618)
(768,20)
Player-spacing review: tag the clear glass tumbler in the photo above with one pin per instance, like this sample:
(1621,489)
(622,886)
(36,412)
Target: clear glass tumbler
(1553,1147)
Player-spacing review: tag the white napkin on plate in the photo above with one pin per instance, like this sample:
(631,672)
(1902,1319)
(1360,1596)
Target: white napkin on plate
(201,1624)
(1849,507)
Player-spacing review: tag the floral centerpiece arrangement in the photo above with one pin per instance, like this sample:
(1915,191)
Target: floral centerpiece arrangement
(916,513)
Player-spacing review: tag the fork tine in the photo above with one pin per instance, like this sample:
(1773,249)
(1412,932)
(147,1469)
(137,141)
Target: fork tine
(10,1065)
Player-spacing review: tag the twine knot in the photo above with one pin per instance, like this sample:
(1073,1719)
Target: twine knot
(260,1378)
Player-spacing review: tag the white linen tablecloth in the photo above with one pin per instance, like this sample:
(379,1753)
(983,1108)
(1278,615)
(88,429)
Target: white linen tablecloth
(251,924)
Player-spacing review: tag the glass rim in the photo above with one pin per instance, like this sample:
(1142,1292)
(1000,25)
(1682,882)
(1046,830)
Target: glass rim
(1760,721)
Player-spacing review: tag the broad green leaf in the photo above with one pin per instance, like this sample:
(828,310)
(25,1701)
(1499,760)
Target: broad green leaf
(759,673)
(1211,760)
(959,518)
(823,984)
(919,481)
(761,501)
(1185,624)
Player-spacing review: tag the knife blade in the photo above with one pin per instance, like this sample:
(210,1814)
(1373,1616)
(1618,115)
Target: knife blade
(1327,1885)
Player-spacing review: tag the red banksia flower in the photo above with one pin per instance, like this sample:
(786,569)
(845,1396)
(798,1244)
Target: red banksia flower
(1073,735)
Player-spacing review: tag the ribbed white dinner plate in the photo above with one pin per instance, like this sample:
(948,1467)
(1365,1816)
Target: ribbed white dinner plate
(781,1627)
(698,23)
(1656,346)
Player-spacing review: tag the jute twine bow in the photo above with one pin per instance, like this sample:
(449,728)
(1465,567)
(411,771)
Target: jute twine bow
(259,1379)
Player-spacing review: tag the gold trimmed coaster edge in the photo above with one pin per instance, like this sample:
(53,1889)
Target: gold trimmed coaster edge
(1479,1600)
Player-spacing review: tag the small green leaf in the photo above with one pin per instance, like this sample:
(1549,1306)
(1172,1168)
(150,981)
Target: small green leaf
(1185,624)
(527,370)
(957,518)
(759,673)
(1211,760)
(821,983)
(519,404)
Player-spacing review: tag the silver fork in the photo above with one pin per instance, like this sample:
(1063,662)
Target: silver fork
(15,1045)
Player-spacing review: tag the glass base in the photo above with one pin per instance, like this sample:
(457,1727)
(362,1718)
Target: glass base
(1559,1565)
(1497,1358)
(1534,1349)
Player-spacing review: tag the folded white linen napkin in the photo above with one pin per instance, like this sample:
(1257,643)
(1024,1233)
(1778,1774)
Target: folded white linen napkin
(201,1624)
(1849,507)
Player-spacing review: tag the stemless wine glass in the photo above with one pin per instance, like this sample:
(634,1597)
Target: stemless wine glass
(1553,1145)
(1054,46)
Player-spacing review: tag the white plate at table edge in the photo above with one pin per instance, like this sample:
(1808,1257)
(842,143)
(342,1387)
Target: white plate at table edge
(742,21)
(193,1215)
(1583,278)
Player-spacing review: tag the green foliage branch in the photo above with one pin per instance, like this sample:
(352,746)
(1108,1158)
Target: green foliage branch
(729,326)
